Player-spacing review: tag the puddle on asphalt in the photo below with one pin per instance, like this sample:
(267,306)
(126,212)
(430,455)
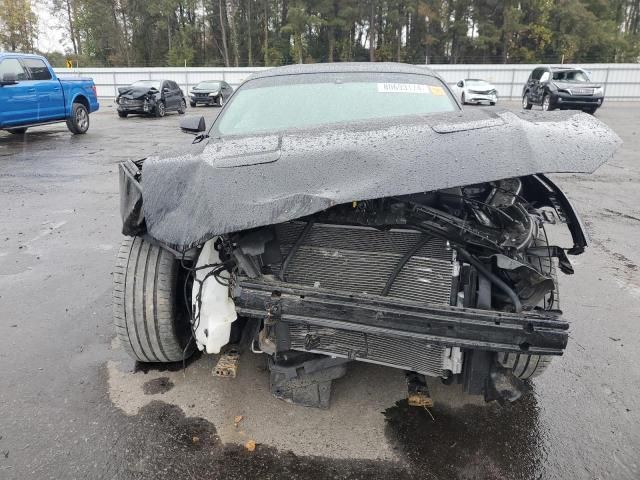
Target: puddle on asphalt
(160,442)
(471,442)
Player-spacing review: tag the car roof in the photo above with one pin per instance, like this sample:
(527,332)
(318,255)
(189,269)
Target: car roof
(27,55)
(345,67)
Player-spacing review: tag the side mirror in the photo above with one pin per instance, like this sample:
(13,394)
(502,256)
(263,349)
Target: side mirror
(165,90)
(460,84)
(193,125)
(9,78)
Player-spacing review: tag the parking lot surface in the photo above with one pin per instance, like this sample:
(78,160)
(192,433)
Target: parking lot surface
(72,405)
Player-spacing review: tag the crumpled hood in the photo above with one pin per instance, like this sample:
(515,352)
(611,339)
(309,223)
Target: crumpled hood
(240,183)
(573,85)
(136,92)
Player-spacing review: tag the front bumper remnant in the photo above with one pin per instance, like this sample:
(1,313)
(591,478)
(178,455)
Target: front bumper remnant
(392,327)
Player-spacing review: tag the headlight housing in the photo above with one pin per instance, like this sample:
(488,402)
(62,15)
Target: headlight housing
(598,91)
(214,94)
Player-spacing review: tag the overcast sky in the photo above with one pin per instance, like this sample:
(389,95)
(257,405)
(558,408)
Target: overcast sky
(50,34)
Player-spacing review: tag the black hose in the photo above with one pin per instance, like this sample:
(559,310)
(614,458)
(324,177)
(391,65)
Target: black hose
(294,249)
(497,281)
(403,261)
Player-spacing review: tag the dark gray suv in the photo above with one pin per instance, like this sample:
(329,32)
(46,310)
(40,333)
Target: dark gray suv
(562,87)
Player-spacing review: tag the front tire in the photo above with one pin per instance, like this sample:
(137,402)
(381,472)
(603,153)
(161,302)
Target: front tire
(149,311)
(123,114)
(161,109)
(193,104)
(183,107)
(78,123)
(526,104)
(547,104)
(463,100)
(530,366)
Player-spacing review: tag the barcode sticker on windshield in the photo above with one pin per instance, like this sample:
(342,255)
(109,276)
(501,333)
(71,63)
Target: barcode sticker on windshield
(403,88)
(439,91)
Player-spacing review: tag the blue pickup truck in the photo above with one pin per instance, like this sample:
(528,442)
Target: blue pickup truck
(31,94)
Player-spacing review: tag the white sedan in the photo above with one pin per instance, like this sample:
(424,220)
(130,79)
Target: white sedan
(473,90)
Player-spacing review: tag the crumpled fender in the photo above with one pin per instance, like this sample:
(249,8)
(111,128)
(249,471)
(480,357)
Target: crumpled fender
(235,184)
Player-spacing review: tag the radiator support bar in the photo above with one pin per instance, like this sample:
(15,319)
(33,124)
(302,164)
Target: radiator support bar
(535,333)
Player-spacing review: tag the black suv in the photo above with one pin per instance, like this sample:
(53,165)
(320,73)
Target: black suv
(210,92)
(562,87)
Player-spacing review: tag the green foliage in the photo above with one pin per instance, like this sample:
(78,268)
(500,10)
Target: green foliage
(18,25)
(276,32)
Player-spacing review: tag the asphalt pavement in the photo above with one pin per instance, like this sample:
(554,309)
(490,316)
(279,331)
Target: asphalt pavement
(74,406)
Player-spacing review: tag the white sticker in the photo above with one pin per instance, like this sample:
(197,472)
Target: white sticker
(403,88)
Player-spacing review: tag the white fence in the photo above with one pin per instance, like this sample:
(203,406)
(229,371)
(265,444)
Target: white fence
(621,81)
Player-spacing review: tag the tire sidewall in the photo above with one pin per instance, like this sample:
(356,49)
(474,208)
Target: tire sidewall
(79,122)
(161,109)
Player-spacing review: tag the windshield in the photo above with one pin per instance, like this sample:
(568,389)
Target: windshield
(571,76)
(147,84)
(471,82)
(208,86)
(298,101)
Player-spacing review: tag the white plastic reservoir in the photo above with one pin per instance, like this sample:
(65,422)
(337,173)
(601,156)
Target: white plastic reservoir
(218,310)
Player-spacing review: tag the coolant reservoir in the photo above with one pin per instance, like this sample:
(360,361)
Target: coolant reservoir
(217,313)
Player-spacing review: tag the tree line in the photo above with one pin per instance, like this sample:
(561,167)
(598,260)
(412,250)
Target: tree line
(275,32)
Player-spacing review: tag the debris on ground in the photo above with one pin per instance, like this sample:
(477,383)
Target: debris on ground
(237,419)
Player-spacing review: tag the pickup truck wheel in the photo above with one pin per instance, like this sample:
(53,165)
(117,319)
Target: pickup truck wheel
(78,123)
(161,110)
(530,366)
(122,114)
(17,131)
(149,311)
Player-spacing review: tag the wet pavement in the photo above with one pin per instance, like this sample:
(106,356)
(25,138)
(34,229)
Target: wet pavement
(72,405)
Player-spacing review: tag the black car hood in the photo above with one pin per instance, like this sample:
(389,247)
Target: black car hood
(136,92)
(240,183)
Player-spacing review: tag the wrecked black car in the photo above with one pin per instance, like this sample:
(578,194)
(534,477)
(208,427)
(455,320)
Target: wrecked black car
(151,97)
(384,226)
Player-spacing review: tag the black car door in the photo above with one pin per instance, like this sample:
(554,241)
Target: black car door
(169,95)
(542,84)
(533,85)
(177,94)
(538,87)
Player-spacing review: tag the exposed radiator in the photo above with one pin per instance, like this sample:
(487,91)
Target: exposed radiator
(407,354)
(361,259)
